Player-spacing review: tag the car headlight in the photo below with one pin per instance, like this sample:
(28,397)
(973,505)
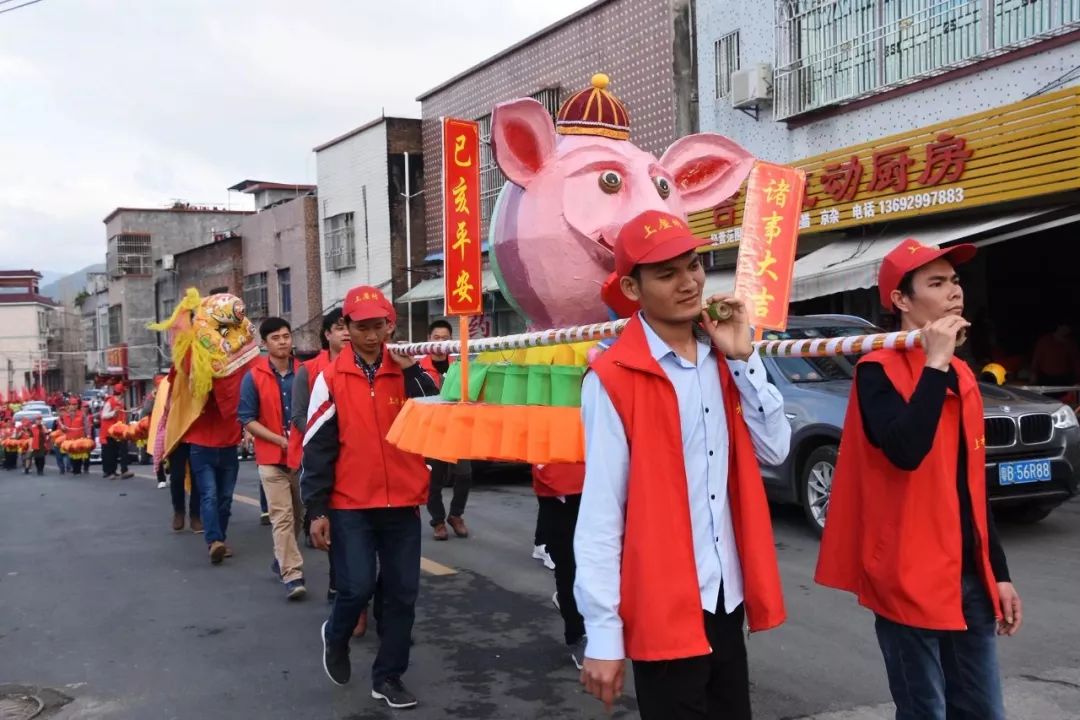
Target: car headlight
(1065,418)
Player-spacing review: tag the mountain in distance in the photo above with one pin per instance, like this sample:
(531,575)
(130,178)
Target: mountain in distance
(64,288)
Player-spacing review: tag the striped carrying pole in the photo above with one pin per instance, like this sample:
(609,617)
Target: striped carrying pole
(811,347)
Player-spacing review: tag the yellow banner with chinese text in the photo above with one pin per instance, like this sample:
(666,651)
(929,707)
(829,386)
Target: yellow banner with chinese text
(1017,151)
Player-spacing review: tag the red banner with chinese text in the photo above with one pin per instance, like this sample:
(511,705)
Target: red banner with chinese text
(463,264)
(774,195)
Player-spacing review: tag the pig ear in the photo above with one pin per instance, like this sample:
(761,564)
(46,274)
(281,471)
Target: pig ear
(707,167)
(522,139)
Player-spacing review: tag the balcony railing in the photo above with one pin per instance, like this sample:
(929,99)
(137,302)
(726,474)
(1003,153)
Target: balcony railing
(834,51)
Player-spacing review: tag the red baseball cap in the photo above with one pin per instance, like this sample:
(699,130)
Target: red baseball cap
(365,302)
(653,236)
(912,255)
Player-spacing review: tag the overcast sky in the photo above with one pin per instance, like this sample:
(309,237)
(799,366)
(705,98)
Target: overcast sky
(106,103)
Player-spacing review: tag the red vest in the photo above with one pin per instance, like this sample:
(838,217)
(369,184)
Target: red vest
(296,438)
(270,413)
(370,472)
(37,438)
(893,537)
(660,596)
(558,479)
(74,425)
(106,423)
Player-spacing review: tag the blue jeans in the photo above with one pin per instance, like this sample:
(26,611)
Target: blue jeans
(61,460)
(934,674)
(359,539)
(214,472)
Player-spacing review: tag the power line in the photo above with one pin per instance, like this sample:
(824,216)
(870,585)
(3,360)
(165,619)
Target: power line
(25,4)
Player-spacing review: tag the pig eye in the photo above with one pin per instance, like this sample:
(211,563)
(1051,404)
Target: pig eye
(610,181)
(662,186)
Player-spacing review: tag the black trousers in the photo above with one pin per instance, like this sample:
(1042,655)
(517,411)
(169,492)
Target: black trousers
(113,452)
(461,475)
(557,522)
(708,687)
(11,459)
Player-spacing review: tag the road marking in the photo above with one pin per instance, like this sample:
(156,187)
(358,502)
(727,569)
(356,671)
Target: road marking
(429,566)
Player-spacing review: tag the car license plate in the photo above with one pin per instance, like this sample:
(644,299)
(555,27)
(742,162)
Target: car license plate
(1027,471)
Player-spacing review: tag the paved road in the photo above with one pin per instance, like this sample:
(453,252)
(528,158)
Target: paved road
(115,616)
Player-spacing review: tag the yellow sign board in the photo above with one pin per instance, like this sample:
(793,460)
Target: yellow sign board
(1017,151)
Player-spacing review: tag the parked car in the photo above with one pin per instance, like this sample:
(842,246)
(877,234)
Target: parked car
(1032,442)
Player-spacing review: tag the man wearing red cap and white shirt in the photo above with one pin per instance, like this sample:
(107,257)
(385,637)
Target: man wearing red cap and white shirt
(909,530)
(674,414)
(363,494)
(113,450)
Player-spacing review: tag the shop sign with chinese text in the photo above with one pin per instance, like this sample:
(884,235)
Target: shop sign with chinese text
(774,196)
(1026,149)
(462,258)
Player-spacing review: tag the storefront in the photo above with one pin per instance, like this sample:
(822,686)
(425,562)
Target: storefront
(1006,179)
(498,318)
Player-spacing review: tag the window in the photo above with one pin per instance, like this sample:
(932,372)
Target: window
(491,177)
(116,319)
(129,254)
(339,236)
(256,301)
(727,62)
(834,52)
(284,283)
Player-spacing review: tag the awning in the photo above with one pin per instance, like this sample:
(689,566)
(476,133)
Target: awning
(433,289)
(853,263)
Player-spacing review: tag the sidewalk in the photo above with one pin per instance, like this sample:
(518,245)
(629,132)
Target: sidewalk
(1053,695)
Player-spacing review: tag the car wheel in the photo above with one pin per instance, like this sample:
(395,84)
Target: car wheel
(1025,514)
(816,485)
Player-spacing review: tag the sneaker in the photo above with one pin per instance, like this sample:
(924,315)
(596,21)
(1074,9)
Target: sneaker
(440,532)
(335,662)
(264,519)
(127,475)
(217,552)
(228,551)
(196,525)
(394,693)
(555,600)
(548,562)
(295,590)
(539,551)
(275,568)
(162,485)
(577,652)
(177,522)
(458,524)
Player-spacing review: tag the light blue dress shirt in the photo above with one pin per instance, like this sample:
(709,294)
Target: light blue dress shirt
(598,539)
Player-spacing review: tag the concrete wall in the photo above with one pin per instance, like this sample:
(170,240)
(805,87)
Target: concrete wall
(21,343)
(780,142)
(285,236)
(634,41)
(352,177)
(213,266)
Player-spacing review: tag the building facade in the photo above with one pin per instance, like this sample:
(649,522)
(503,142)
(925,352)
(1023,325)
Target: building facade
(27,324)
(143,284)
(940,120)
(645,46)
(281,267)
(371,212)
(95,324)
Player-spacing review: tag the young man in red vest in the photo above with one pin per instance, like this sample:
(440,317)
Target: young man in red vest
(909,529)
(437,366)
(266,413)
(674,540)
(75,423)
(39,446)
(558,492)
(363,494)
(113,451)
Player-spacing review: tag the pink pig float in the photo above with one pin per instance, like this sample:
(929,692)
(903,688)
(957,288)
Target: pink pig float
(571,189)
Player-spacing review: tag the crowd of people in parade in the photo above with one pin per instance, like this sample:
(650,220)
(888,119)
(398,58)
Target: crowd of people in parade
(661,541)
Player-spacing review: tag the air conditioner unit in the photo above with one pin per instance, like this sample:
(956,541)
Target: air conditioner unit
(168,262)
(751,85)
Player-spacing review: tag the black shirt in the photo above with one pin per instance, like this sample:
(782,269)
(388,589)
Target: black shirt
(441,365)
(905,432)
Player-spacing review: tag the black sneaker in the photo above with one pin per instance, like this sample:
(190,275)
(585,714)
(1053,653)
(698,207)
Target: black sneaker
(295,590)
(335,662)
(394,693)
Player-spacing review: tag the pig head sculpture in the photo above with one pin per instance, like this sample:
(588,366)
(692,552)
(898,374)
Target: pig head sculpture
(571,190)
